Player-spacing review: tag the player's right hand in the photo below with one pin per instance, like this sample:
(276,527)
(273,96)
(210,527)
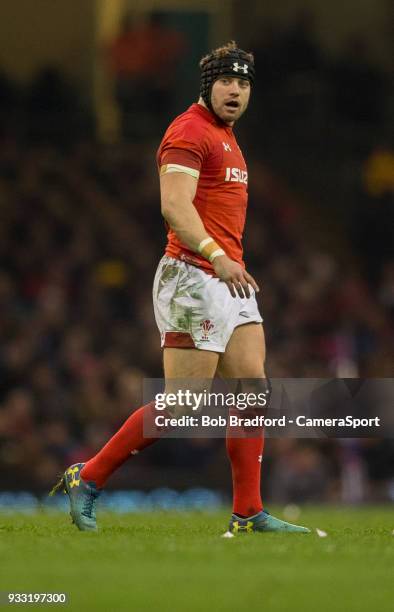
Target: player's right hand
(235,276)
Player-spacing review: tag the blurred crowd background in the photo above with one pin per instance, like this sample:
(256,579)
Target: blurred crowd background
(81,235)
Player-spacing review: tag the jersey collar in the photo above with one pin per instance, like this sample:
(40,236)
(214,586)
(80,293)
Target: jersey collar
(211,117)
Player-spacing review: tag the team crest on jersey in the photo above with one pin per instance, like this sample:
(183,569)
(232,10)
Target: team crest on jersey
(236,175)
(226,146)
(206,327)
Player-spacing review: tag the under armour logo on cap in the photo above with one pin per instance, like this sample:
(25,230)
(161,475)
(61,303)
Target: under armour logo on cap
(237,67)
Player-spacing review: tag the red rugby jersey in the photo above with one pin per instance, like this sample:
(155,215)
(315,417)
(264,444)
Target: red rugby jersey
(200,141)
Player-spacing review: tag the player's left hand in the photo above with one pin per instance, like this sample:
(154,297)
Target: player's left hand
(235,276)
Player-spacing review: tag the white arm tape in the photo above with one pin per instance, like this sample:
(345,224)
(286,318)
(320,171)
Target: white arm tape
(169,168)
(215,254)
(204,243)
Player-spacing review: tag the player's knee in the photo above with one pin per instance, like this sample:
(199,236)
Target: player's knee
(177,411)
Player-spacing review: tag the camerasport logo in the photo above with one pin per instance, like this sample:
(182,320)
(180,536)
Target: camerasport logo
(206,327)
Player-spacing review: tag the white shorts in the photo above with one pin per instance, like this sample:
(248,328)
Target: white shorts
(196,310)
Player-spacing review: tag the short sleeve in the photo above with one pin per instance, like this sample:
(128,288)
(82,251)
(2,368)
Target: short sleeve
(184,148)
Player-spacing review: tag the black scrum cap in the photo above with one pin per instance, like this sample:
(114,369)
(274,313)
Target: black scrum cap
(236,63)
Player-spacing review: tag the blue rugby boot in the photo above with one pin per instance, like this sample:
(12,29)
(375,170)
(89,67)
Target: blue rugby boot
(82,495)
(263,522)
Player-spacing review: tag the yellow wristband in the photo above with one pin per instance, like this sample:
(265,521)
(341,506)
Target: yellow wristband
(208,248)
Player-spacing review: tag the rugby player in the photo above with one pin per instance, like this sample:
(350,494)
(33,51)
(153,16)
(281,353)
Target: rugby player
(204,298)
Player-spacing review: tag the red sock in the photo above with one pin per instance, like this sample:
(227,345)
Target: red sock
(129,440)
(245,454)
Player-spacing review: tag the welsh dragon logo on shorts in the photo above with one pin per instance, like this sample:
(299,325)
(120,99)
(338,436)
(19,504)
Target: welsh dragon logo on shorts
(206,326)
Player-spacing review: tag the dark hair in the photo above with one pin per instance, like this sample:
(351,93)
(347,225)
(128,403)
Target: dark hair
(224,51)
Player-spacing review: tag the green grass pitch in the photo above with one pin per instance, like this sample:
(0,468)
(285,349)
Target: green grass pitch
(178,562)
